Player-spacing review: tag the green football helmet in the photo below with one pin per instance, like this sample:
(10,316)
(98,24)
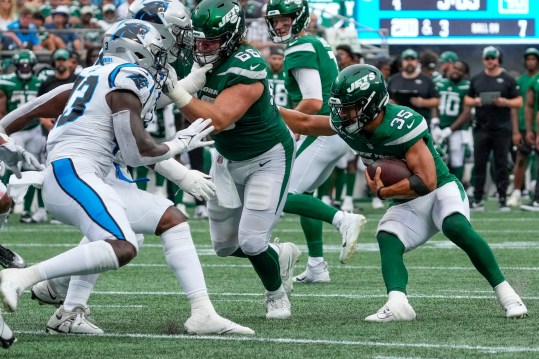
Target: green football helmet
(217,21)
(358,95)
(298,10)
(24,62)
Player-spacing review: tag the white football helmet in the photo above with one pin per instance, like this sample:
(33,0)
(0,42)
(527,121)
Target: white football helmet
(137,42)
(172,20)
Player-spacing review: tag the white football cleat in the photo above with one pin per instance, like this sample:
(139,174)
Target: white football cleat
(396,308)
(350,227)
(278,306)
(39,216)
(514,199)
(377,203)
(288,257)
(10,290)
(214,324)
(510,301)
(45,293)
(347,204)
(10,259)
(6,335)
(72,322)
(314,274)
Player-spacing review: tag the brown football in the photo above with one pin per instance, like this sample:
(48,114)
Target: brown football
(393,170)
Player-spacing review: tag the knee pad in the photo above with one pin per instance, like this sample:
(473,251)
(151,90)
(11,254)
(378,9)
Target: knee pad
(253,242)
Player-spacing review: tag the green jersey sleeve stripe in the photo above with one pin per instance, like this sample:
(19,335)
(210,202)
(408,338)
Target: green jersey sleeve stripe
(301,47)
(7,83)
(410,135)
(255,75)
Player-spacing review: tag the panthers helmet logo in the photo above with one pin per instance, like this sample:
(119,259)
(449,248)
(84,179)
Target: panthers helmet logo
(150,12)
(131,31)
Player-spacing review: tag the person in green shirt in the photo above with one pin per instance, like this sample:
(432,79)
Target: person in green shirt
(427,202)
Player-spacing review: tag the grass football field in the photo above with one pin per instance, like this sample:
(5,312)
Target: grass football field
(142,310)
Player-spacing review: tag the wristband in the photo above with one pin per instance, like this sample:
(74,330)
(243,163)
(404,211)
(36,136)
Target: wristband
(378,194)
(179,96)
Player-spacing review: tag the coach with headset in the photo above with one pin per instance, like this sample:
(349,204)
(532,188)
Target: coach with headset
(494,93)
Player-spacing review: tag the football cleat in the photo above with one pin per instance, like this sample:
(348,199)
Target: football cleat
(25,217)
(72,322)
(6,335)
(278,306)
(214,324)
(348,204)
(510,301)
(396,308)
(377,203)
(314,274)
(288,257)
(350,227)
(10,259)
(45,293)
(39,216)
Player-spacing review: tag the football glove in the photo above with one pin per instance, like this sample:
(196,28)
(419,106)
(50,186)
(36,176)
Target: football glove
(446,132)
(197,184)
(12,155)
(192,137)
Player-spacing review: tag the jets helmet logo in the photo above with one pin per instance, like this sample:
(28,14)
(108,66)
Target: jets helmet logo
(362,83)
(231,16)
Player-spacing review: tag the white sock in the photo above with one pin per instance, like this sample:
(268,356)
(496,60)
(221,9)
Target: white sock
(94,257)
(276,294)
(505,293)
(517,193)
(201,304)
(398,296)
(80,288)
(314,261)
(337,219)
(182,258)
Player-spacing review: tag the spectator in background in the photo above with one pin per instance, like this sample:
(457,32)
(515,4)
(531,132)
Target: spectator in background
(412,88)
(123,10)
(345,56)
(530,115)
(109,16)
(48,40)
(429,60)
(313,28)
(257,33)
(525,138)
(64,69)
(28,40)
(87,21)
(60,20)
(446,60)
(276,77)
(494,93)
(8,13)
(384,65)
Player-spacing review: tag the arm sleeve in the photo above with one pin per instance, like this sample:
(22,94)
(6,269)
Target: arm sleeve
(309,83)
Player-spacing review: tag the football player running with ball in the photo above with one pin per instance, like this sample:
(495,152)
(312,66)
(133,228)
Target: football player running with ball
(255,149)
(311,66)
(429,201)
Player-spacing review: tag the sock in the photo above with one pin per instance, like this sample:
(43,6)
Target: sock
(159,180)
(323,189)
(459,231)
(308,206)
(94,257)
(397,296)
(201,304)
(276,294)
(314,261)
(182,258)
(266,265)
(28,199)
(340,180)
(239,253)
(40,202)
(505,293)
(336,221)
(350,183)
(393,270)
(80,288)
(312,229)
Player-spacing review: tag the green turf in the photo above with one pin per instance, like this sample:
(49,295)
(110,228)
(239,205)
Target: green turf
(141,308)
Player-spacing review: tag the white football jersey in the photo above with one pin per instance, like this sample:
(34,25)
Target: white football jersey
(85,129)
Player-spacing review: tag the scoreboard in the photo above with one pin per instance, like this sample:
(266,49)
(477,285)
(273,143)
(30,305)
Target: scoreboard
(450,21)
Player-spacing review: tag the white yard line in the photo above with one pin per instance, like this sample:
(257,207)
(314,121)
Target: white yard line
(359,343)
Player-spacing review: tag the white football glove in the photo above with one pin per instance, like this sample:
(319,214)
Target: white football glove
(436,134)
(12,155)
(196,80)
(192,137)
(198,185)
(446,132)
(434,122)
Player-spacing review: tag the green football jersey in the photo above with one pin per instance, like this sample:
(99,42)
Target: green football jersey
(19,92)
(183,69)
(451,101)
(524,83)
(400,129)
(262,126)
(311,52)
(277,85)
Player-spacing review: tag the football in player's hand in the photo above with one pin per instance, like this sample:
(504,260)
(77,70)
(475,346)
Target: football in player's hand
(393,170)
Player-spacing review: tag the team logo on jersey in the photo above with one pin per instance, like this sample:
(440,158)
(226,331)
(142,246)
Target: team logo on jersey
(231,16)
(152,12)
(362,83)
(139,80)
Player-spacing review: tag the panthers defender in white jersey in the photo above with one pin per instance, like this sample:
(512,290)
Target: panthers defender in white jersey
(74,187)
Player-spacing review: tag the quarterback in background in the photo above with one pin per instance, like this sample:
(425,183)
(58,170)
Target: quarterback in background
(429,201)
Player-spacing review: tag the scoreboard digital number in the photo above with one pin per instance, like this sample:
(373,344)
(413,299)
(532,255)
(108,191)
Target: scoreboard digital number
(450,21)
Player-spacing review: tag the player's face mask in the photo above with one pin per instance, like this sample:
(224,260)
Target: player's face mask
(24,71)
